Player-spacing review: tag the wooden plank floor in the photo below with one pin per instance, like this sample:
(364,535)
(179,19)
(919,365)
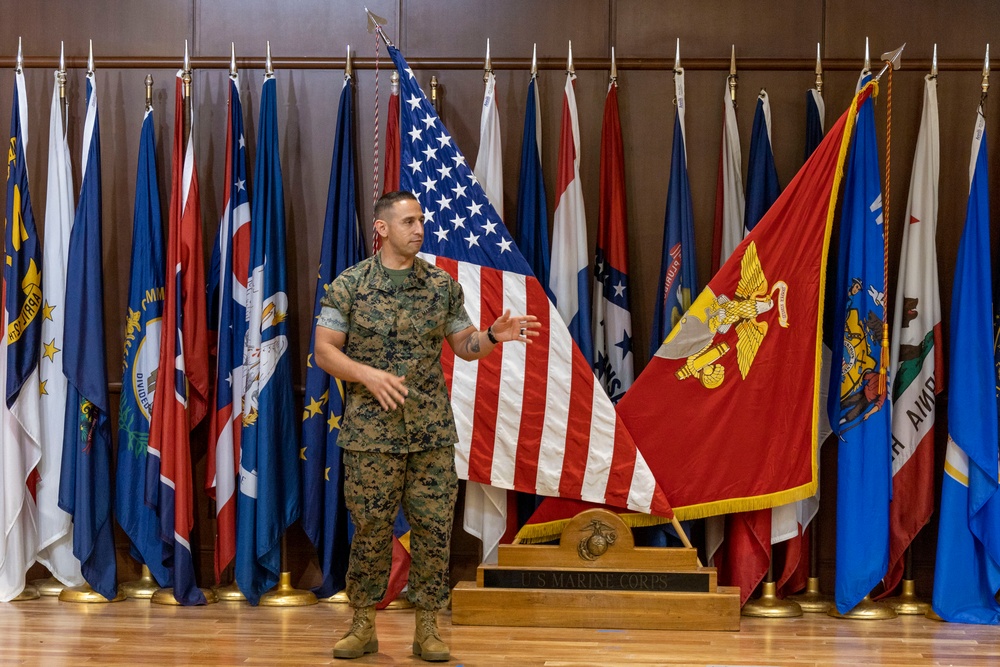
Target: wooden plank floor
(47,632)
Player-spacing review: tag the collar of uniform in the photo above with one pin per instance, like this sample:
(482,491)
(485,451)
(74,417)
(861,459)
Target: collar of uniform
(379,279)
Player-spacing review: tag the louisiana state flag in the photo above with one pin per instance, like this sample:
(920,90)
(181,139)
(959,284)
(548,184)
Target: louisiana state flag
(324,515)
(268,498)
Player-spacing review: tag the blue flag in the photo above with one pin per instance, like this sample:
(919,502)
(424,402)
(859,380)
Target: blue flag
(22,271)
(86,461)
(859,412)
(967,570)
(815,111)
(268,498)
(141,358)
(532,212)
(762,176)
(678,274)
(324,516)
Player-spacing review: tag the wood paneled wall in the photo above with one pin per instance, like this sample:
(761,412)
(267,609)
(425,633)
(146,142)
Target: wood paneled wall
(768,32)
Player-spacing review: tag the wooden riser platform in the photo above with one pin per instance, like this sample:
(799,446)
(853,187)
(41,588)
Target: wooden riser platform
(632,610)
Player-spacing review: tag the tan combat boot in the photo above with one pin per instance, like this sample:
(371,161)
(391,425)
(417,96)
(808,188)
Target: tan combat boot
(360,639)
(427,642)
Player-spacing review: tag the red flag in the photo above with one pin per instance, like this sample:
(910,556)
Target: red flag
(390,181)
(740,372)
(180,401)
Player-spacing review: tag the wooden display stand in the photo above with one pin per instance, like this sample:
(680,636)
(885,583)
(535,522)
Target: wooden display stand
(597,578)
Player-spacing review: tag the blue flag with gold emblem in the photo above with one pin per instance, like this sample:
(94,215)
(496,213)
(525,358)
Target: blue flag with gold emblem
(857,406)
(140,360)
(268,499)
(23,267)
(324,516)
(86,461)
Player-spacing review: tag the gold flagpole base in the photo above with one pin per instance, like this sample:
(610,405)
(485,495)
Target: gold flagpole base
(284,595)
(86,595)
(812,600)
(50,587)
(399,603)
(866,610)
(141,588)
(932,615)
(166,596)
(30,592)
(337,598)
(229,593)
(907,603)
(768,605)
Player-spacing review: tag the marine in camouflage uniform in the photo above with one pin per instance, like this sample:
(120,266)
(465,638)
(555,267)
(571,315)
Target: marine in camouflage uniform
(390,314)
(400,329)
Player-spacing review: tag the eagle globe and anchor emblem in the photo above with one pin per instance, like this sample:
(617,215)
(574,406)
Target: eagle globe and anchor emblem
(596,544)
(694,337)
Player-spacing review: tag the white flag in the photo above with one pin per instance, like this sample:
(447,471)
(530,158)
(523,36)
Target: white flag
(489,162)
(55,527)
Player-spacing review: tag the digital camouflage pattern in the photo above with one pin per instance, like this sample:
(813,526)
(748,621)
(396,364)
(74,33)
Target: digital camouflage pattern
(400,331)
(428,497)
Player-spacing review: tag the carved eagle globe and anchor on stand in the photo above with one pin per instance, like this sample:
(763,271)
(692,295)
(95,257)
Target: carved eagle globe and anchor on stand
(693,338)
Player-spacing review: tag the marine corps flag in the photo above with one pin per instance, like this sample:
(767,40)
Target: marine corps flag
(726,411)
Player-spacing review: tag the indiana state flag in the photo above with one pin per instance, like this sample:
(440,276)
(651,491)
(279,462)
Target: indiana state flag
(85,479)
(859,412)
(967,570)
(268,500)
(324,516)
(678,274)
(143,322)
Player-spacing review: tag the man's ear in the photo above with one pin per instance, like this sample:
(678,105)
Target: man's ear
(382,228)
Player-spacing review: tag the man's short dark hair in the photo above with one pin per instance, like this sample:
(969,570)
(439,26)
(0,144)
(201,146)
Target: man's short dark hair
(389,199)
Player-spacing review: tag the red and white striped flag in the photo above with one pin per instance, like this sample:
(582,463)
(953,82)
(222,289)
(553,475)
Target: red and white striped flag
(530,418)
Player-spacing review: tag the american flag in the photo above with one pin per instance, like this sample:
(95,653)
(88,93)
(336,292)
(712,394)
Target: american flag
(530,418)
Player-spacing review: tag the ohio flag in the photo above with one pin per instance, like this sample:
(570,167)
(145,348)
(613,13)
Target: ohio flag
(227,327)
(530,418)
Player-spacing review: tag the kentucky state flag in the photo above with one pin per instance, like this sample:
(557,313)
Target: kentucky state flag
(967,570)
(678,274)
(85,479)
(268,500)
(324,515)
(858,409)
(143,322)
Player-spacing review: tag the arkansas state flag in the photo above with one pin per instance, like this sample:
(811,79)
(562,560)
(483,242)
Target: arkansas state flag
(181,398)
(530,418)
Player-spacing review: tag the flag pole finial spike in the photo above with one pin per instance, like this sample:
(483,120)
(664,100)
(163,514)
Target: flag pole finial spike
(569,60)
(349,66)
(819,71)
(268,65)
(232,60)
(868,57)
(187,58)
(677,56)
(934,70)
(20,57)
(733,78)
(488,67)
(375,23)
(186,73)
(534,59)
(61,72)
(986,71)
(892,59)
(90,58)
(148,81)
(614,67)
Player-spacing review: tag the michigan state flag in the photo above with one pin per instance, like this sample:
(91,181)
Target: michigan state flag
(143,321)
(268,498)
(85,478)
(324,516)
(858,409)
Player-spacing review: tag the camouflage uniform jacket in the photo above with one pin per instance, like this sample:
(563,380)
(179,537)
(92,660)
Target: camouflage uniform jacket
(400,331)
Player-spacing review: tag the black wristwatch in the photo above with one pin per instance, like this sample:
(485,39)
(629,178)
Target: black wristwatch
(489,334)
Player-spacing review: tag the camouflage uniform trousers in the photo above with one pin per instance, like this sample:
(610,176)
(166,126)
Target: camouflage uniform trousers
(374,485)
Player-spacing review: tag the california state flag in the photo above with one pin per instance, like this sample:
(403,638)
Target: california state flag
(916,353)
